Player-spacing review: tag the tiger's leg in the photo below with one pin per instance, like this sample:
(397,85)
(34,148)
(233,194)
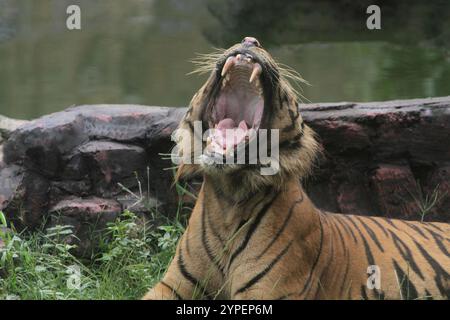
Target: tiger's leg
(191,274)
(162,291)
(265,277)
(171,287)
(179,281)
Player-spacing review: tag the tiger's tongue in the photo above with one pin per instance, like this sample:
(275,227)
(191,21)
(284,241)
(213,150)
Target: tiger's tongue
(227,134)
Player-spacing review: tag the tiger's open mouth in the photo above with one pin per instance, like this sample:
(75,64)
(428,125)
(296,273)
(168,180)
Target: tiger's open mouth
(239,104)
(244,116)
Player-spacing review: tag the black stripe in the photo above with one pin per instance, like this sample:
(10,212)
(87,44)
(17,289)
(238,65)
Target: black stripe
(441,274)
(438,238)
(435,234)
(408,289)
(257,201)
(307,294)
(280,231)
(327,266)
(341,237)
(406,253)
(173,290)
(331,241)
(294,118)
(315,260)
(344,279)
(190,125)
(433,225)
(363,293)
(214,230)
(241,224)
(439,243)
(369,254)
(251,195)
(189,276)
(252,229)
(281,97)
(346,227)
(266,270)
(371,233)
(346,257)
(286,97)
(285,296)
(194,132)
(206,243)
(379,225)
(220,194)
(183,270)
(389,221)
(415,228)
(293,143)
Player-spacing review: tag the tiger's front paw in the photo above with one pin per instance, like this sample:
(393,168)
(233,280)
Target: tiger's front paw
(161,292)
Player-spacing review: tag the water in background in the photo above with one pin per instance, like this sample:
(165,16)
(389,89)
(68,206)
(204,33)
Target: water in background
(138,51)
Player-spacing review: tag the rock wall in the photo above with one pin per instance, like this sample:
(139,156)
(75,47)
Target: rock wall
(383,158)
(86,164)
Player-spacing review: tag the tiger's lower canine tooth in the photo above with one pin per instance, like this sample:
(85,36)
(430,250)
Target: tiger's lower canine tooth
(257,69)
(227,65)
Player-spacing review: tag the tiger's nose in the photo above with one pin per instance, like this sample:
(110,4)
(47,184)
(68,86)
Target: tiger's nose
(251,42)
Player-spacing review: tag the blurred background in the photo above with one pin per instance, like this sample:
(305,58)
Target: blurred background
(138,51)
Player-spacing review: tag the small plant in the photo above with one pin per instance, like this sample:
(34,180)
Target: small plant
(35,266)
(133,256)
(140,197)
(2,220)
(425,202)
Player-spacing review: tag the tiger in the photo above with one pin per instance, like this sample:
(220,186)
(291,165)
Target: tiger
(255,236)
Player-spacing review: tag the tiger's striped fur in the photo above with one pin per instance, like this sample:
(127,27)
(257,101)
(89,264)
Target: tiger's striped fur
(256,237)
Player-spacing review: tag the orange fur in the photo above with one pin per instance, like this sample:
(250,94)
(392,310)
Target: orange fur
(260,237)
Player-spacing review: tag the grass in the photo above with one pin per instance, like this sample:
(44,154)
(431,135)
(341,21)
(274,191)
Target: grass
(133,254)
(132,257)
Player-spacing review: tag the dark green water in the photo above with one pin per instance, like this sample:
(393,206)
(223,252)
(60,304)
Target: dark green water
(138,51)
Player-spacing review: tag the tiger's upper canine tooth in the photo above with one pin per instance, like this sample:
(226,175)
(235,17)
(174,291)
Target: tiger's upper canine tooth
(257,69)
(228,64)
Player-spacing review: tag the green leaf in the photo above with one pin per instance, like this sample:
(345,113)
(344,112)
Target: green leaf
(3,219)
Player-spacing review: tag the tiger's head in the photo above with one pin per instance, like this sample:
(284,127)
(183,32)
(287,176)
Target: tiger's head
(246,94)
